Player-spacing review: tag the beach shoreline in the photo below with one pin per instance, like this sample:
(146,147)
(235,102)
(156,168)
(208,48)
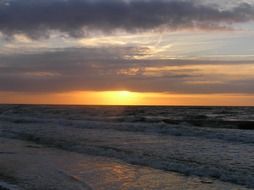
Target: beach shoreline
(137,140)
(35,166)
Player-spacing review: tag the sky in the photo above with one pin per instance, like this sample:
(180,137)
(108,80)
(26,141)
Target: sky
(127,52)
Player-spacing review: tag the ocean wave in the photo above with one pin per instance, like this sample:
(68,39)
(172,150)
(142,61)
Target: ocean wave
(182,128)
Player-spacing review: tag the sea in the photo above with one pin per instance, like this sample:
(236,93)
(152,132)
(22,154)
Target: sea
(210,142)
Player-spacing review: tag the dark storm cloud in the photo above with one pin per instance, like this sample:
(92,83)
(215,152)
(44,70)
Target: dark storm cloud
(107,69)
(76,17)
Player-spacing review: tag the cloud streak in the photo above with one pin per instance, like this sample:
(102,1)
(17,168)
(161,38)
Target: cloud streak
(36,18)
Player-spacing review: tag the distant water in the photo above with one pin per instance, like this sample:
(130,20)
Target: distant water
(214,142)
(224,117)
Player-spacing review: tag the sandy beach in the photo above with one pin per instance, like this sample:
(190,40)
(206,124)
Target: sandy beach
(25,165)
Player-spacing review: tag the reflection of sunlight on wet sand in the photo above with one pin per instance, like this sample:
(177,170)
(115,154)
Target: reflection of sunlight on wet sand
(103,174)
(117,174)
(107,174)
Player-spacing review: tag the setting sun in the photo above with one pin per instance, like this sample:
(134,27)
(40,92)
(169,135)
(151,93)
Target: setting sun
(121,97)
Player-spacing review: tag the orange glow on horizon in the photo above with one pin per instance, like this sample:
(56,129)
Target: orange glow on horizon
(127,98)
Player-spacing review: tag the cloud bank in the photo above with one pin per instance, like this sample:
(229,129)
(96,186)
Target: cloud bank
(85,69)
(36,18)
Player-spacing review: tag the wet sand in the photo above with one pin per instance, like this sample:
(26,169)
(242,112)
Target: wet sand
(26,165)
